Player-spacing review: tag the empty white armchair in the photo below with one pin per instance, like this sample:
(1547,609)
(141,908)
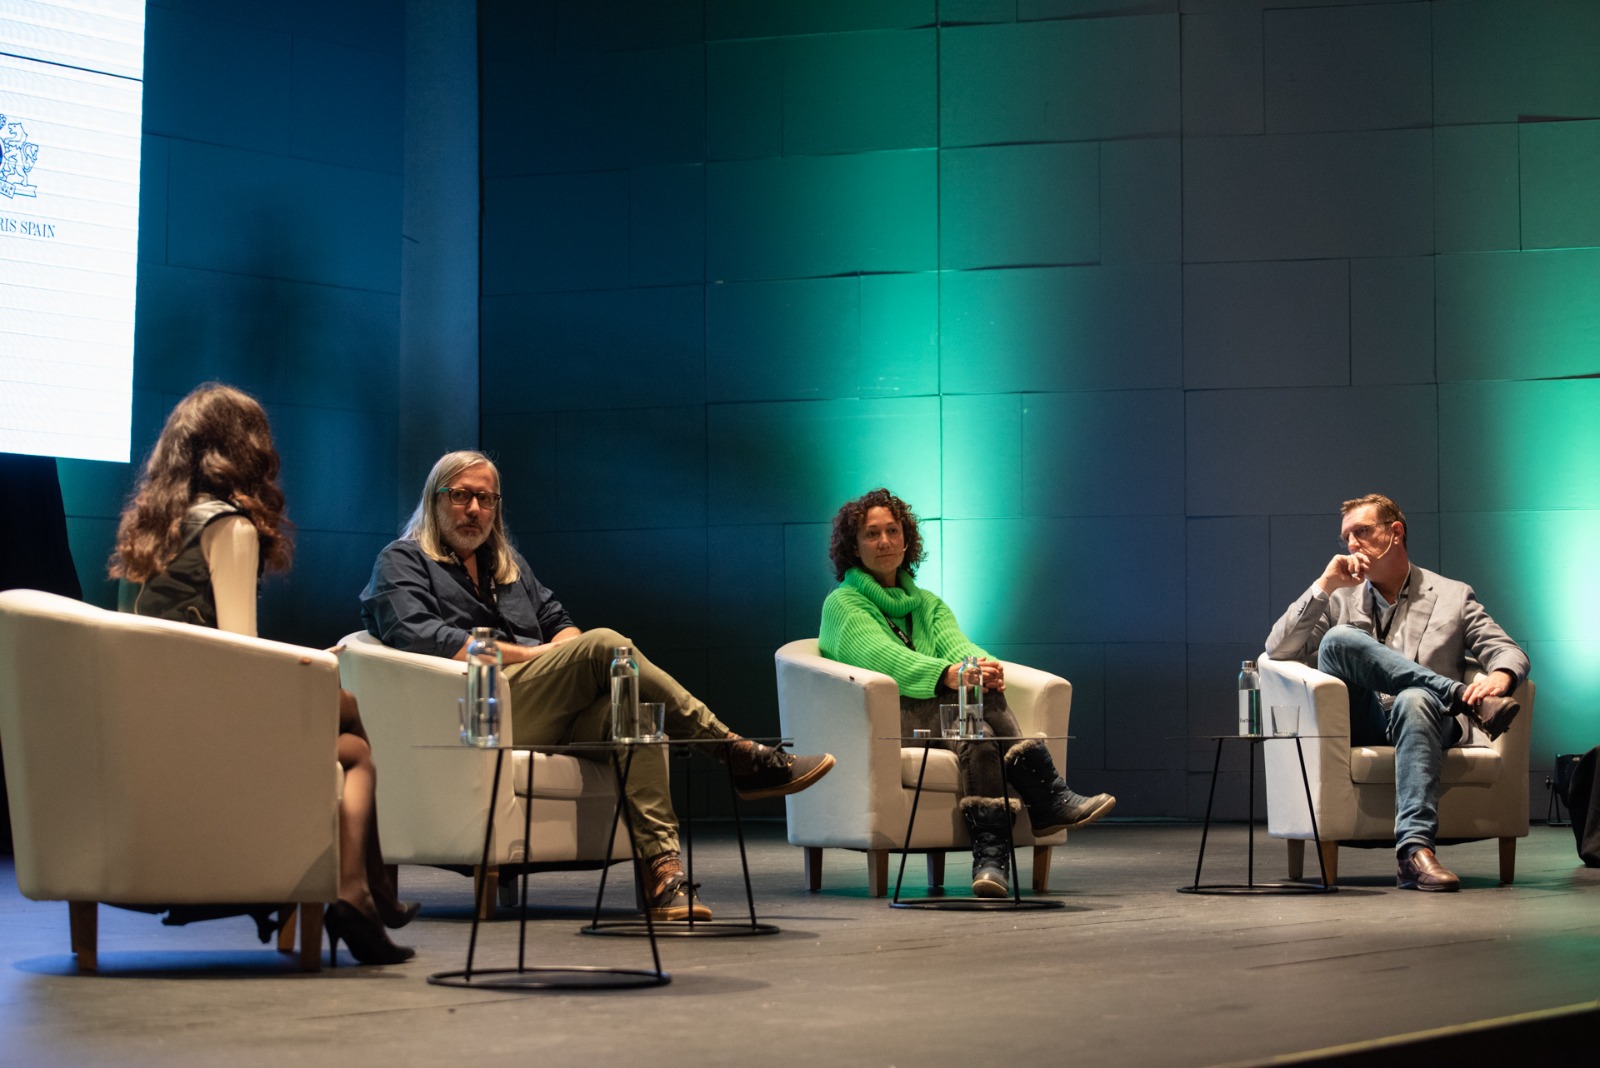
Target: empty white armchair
(1483,785)
(153,762)
(434,794)
(864,803)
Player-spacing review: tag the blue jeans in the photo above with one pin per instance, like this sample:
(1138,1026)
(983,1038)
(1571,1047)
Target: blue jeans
(1419,724)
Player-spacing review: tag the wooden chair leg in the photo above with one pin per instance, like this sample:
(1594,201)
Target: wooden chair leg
(486,890)
(83,919)
(286,921)
(935,869)
(1508,861)
(813,855)
(877,872)
(1297,857)
(310,923)
(1330,861)
(1041,869)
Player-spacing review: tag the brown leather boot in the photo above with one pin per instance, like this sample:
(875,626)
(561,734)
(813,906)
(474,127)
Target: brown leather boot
(762,771)
(670,894)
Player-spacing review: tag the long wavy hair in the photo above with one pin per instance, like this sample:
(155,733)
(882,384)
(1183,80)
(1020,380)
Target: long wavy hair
(842,549)
(424,528)
(217,443)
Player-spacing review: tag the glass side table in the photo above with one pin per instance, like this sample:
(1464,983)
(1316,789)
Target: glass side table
(1250,886)
(966,903)
(530,977)
(691,928)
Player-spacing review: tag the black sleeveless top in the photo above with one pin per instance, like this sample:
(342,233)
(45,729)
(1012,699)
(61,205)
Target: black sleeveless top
(183,591)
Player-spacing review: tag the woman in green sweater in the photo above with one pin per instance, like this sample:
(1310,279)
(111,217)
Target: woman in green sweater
(880,620)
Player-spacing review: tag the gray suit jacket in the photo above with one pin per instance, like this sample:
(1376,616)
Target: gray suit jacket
(1445,628)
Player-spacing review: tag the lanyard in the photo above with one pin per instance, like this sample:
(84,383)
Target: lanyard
(903,635)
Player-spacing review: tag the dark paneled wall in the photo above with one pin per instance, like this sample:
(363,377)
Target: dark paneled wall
(1125,297)
(269,258)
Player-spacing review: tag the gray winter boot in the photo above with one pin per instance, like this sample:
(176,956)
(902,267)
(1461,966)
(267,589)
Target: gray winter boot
(988,822)
(1052,806)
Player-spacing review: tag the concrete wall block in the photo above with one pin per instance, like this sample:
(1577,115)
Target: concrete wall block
(1112,579)
(783,340)
(777,18)
(1141,201)
(624,468)
(1533,571)
(1477,184)
(1227,602)
(1499,62)
(1348,68)
(1266,324)
(1567,676)
(1073,9)
(667,225)
(558,232)
(807,217)
(364,443)
(744,99)
(746,582)
(285,342)
(1019,206)
(859,92)
(1519,446)
(318,602)
(1074,80)
(630,348)
(1518,314)
(1111,452)
(342,105)
(797,461)
(277,217)
(981,454)
(1391,321)
(1222,74)
(1272,451)
(808,573)
(899,334)
(1560,173)
(1060,329)
(1302,545)
(1308,196)
(1146,725)
(220,82)
(660,603)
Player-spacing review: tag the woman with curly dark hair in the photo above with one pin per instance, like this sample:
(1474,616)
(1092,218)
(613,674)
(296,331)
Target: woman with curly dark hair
(879,619)
(206,520)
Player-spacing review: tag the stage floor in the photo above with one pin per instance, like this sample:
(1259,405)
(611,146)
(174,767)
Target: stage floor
(1130,972)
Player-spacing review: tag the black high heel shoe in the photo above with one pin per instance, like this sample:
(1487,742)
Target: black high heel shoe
(397,914)
(364,937)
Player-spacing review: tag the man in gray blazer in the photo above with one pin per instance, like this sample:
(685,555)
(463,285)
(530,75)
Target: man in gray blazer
(1399,636)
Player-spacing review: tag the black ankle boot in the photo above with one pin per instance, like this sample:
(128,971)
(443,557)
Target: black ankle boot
(988,821)
(1052,806)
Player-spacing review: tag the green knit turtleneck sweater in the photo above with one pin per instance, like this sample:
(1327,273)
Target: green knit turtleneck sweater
(854,631)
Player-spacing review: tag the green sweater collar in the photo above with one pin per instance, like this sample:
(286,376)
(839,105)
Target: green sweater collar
(895,601)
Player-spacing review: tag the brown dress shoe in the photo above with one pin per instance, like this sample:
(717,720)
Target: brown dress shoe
(1422,871)
(1494,714)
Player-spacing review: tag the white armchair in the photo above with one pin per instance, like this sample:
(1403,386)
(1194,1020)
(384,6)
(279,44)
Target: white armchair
(153,762)
(863,804)
(432,801)
(1484,784)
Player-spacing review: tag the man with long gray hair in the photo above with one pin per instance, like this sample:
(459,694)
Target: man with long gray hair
(455,569)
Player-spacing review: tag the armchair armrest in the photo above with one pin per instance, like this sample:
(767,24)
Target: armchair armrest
(431,802)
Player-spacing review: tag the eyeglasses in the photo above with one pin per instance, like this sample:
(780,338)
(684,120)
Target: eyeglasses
(1363,534)
(459,497)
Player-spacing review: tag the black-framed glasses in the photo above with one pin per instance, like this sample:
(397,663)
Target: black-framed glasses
(1365,534)
(460,496)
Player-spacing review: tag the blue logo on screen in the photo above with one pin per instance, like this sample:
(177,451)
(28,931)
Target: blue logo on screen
(17,157)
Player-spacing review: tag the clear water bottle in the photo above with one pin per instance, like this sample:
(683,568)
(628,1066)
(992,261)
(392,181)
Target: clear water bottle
(624,694)
(480,722)
(1249,699)
(969,694)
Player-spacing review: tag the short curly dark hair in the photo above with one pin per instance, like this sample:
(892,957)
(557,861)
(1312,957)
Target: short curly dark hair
(847,524)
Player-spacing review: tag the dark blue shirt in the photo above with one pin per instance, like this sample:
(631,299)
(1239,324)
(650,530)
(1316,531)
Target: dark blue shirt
(417,604)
